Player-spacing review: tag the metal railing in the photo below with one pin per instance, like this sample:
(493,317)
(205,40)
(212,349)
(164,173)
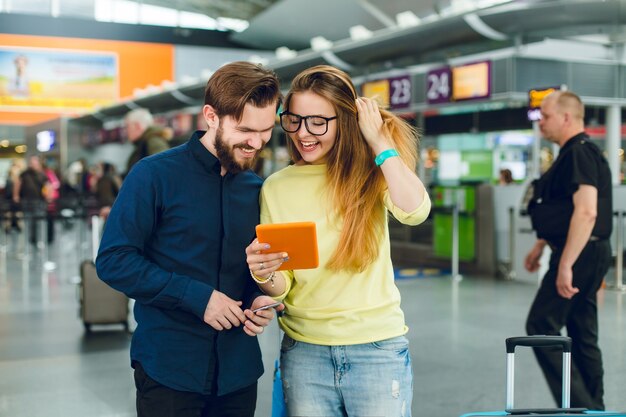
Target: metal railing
(619,252)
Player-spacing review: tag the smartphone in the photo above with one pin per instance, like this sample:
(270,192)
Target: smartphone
(266,307)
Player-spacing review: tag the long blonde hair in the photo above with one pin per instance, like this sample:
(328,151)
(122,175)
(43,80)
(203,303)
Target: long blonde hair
(355,184)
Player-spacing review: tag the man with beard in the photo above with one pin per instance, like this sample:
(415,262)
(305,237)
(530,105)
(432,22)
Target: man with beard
(175,242)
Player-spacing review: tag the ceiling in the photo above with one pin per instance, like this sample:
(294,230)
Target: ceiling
(238,9)
(292,23)
(446,31)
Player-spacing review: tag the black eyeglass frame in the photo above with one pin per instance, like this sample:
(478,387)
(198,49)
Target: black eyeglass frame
(306,122)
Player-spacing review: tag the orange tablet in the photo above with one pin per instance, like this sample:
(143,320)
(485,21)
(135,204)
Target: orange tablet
(298,239)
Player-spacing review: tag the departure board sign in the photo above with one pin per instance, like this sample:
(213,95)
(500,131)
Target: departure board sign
(535,98)
(377,90)
(392,93)
(471,81)
(439,85)
(400,92)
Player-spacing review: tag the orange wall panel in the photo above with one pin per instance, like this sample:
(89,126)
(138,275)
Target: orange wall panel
(139,63)
(18,118)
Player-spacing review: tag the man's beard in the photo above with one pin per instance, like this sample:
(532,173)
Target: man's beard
(226,155)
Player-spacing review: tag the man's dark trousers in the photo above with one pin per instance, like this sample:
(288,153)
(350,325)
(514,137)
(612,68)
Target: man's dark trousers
(550,312)
(156,400)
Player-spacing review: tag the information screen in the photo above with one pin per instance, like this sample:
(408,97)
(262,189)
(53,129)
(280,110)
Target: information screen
(471,81)
(46,140)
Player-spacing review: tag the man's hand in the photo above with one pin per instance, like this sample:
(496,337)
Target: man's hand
(222,312)
(262,318)
(531,263)
(564,283)
(105,211)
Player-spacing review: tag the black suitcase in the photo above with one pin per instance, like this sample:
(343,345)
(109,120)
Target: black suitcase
(541,341)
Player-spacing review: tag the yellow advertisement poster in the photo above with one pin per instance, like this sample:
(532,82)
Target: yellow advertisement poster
(377,90)
(34,79)
(471,81)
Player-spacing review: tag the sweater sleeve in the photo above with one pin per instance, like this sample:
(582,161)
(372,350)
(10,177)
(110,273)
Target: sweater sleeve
(413,218)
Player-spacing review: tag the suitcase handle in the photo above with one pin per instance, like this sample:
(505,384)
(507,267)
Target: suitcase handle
(539,341)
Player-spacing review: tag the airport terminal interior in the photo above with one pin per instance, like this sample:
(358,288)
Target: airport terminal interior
(469,75)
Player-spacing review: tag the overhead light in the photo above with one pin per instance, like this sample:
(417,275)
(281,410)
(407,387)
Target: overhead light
(21,149)
(188,80)
(206,73)
(4,143)
(283,52)
(479,25)
(320,43)
(359,33)
(407,19)
(257,59)
(139,92)
(168,84)
(152,89)
(460,6)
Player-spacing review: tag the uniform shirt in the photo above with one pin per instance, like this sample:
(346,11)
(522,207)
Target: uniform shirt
(580,162)
(177,231)
(334,307)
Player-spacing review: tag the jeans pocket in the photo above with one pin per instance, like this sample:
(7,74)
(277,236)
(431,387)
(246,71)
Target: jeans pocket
(395,344)
(288,344)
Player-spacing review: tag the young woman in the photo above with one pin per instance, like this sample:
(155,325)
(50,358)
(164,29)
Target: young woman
(344,352)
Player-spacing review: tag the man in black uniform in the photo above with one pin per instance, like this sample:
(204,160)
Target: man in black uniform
(571,212)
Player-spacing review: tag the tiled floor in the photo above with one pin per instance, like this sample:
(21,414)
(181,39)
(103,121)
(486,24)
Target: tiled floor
(50,367)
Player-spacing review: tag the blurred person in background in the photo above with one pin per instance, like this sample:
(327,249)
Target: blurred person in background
(51,194)
(107,186)
(13,176)
(29,191)
(147,138)
(506,177)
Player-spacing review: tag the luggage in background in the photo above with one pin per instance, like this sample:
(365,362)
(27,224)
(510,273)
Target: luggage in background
(99,303)
(541,342)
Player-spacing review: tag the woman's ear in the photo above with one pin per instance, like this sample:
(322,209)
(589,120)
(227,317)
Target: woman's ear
(210,116)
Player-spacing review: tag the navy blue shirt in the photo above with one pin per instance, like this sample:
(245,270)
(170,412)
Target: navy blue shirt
(177,231)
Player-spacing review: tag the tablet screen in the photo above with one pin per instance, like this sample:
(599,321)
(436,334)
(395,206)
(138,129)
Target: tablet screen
(298,239)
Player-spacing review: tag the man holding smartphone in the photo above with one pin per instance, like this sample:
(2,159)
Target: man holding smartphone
(175,242)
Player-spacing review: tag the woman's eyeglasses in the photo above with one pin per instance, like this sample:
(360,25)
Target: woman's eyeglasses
(315,125)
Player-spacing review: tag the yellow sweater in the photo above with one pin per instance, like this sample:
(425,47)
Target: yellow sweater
(325,307)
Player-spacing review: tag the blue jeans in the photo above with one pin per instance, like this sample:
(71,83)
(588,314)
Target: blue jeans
(371,379)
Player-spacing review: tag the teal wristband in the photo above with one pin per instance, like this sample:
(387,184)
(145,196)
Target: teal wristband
(384,155)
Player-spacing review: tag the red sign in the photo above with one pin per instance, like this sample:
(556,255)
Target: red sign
(599,132)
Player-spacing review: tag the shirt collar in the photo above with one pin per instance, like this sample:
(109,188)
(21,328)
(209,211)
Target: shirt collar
(575,139)
(202,154)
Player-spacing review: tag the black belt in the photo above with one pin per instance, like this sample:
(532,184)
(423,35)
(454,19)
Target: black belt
(555,246)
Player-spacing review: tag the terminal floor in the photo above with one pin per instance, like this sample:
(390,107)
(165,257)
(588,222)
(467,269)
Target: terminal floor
(50,367)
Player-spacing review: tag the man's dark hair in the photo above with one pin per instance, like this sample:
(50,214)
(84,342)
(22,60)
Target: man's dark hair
(236,84)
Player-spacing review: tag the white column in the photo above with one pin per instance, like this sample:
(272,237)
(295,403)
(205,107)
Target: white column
(613,139)
(535,155)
